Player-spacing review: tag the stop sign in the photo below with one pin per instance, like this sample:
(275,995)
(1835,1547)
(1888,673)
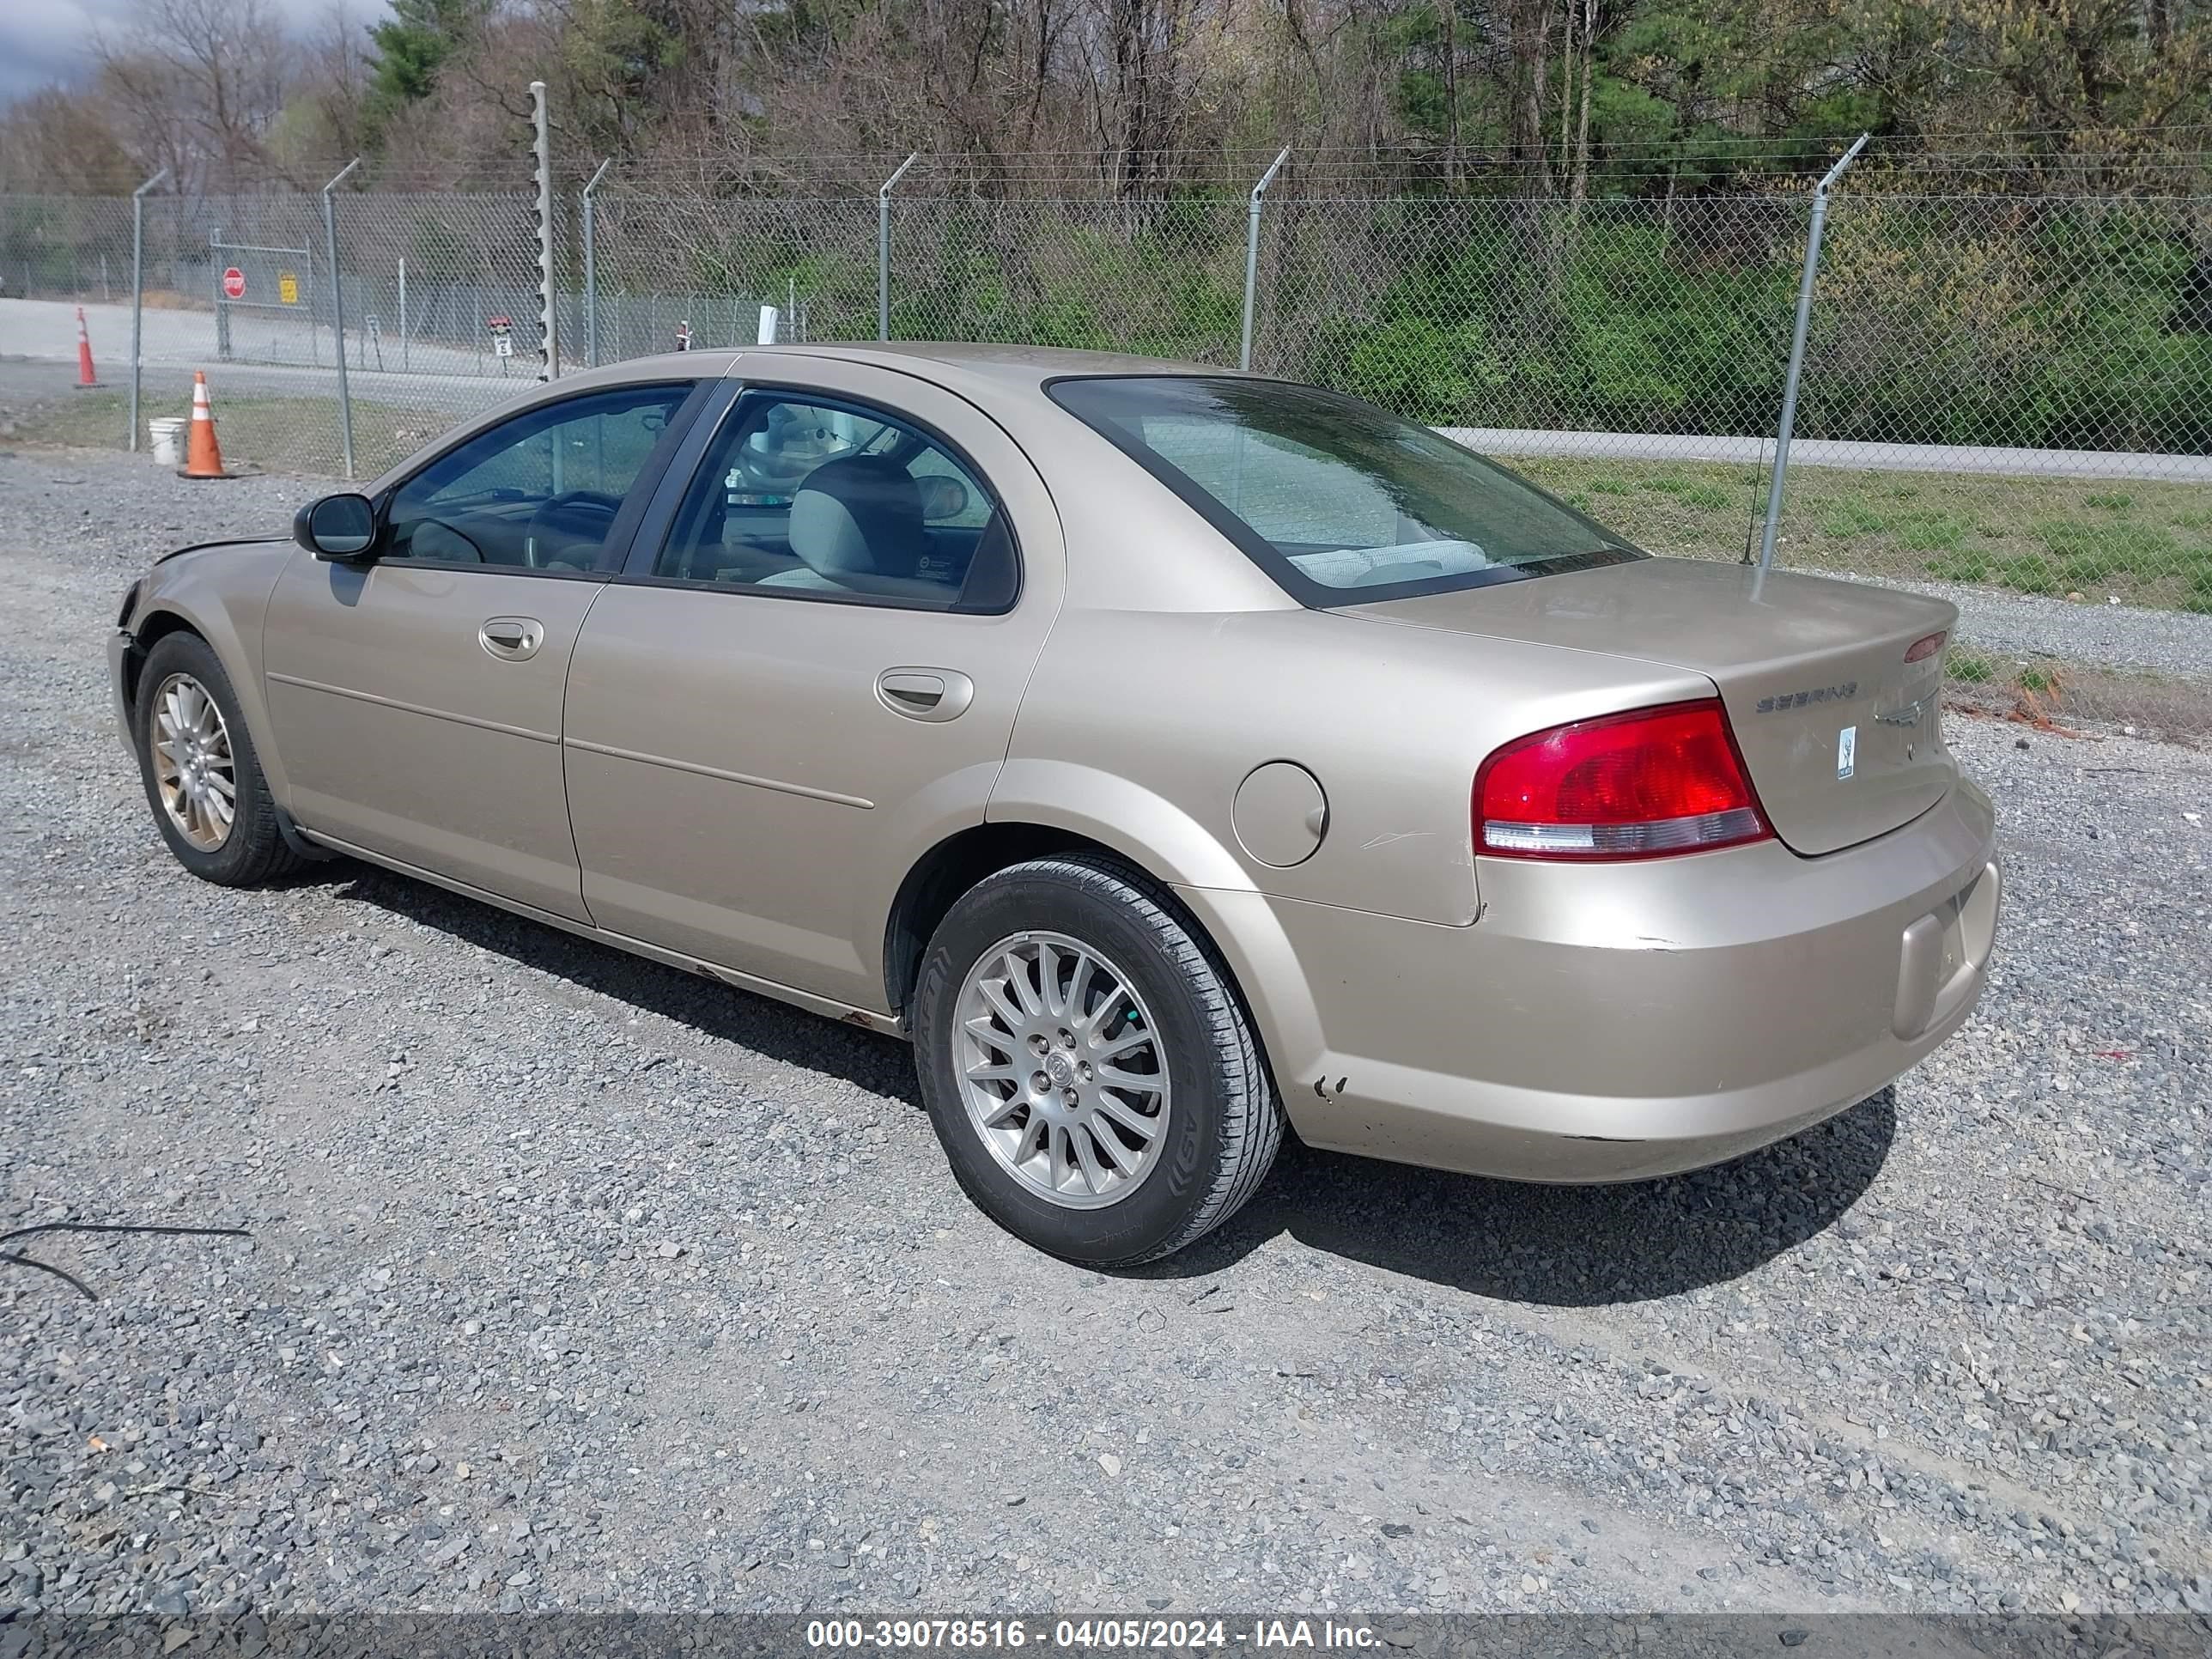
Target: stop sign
(234,283)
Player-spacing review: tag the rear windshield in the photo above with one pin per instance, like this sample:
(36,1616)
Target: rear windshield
(1339,501)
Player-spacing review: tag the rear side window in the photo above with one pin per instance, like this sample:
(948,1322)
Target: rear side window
(801,498)
(1339,501)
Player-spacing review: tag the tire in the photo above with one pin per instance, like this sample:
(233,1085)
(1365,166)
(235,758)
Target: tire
(1221,1119)
(250,847)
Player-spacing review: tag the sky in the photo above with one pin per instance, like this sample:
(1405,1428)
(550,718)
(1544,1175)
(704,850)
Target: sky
(44,40)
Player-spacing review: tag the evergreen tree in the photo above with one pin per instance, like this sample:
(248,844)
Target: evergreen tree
(411,46)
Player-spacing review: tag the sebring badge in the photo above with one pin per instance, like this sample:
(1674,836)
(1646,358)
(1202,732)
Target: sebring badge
(1847,751)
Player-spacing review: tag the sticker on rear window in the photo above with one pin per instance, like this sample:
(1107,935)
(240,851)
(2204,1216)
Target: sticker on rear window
(1847,751)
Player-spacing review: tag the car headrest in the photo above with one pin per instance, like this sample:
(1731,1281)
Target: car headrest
(859,515)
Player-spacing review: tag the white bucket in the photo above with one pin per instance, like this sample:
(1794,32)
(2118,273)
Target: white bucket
(167,432)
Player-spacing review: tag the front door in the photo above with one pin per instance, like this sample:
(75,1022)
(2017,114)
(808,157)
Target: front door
(415,698)
(811,676)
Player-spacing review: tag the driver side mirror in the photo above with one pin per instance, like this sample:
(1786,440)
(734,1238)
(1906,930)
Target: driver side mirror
(336,526)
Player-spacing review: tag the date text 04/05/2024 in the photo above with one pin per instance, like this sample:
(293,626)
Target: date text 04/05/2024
(1081,1634)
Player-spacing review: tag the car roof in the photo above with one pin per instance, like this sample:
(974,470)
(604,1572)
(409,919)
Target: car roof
(1008,381)
(961,366)
(1093,481)
(983,361)
(1024,364)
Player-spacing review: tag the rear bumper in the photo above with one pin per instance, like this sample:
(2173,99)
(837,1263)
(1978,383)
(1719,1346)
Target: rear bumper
(1615,1021)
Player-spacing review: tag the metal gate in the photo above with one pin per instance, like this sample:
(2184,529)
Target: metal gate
(264,304)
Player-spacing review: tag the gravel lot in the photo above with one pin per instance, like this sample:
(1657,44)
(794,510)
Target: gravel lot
(2176,644)
(575,1282)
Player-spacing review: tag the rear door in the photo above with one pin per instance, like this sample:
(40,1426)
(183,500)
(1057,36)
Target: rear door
(765,729)
(415,698)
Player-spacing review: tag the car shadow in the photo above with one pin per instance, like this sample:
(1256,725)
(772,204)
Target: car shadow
(879,1064)
(1512,1241)
(1567,1247)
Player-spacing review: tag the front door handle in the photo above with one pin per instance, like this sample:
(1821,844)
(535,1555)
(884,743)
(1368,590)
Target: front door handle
(511,639)
(925,694)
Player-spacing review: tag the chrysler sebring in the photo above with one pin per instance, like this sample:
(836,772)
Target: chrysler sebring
(1166,753)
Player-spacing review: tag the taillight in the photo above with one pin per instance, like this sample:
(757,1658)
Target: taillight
(1634,786)
(1926,646)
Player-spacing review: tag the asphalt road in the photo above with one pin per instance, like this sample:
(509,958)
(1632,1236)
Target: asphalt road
(1758,450)
(574,1281)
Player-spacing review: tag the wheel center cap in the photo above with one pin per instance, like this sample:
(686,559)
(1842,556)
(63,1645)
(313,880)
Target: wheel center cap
(1061,1069)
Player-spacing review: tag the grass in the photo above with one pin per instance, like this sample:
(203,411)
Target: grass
(1970,666)
(266,434)
(2149,544)
(2074,696)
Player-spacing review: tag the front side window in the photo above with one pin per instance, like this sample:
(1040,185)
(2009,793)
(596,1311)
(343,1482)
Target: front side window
(1339,501)
(797,497)
(538,492)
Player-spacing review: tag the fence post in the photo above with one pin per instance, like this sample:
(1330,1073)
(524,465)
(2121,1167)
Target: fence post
(337,314)
(138,289)
(404,364)
(549,328)
(591,268)
(1252,256)
(1797,353)
(884,251)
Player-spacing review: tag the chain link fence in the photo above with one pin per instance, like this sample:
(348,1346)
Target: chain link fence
(2006,399)
(674,268)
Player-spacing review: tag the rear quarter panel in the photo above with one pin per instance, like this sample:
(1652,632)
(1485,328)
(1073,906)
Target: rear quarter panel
(1138,726)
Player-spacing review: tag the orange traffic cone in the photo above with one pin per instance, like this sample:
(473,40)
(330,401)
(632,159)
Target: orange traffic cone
(84,374)
(203,455)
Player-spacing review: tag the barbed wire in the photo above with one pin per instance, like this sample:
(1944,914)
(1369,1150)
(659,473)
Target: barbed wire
(2164,160)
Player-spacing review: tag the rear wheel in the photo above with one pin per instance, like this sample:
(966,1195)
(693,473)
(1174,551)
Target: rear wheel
(201,776)
(1087,1066)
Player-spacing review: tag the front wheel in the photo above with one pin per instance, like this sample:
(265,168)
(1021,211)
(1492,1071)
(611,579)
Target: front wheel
(1087,1066)
(202,779)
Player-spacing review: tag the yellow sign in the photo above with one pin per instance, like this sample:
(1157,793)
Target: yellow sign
(288,287)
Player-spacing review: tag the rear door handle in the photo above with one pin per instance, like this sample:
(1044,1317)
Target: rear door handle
(513,639)
(925,694)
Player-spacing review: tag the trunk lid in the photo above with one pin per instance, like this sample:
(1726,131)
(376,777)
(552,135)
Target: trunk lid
(1841,735)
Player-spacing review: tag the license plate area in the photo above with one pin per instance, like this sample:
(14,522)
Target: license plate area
(1942,955)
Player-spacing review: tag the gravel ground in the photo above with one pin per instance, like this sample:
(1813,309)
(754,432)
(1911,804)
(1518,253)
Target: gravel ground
(577,1282)
(2174,643)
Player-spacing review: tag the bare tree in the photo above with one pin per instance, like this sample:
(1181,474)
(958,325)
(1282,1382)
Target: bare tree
(198,83)
(60,141)
(1528,25)
(1579,191)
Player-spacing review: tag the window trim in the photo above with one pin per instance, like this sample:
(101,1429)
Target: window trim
(650,541)
(615,549)
(1320,596)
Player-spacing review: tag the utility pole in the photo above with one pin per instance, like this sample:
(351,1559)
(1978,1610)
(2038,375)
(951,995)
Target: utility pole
(884,251)
(138,291)
(592,268)
(1797,353)
(548,331)
(338,312)
(1252,257)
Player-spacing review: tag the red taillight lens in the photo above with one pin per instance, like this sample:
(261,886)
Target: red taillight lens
(1926,646)
(1633,786)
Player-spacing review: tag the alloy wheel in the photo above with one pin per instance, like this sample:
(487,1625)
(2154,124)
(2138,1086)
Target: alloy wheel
(1064,1073)
(194,772)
